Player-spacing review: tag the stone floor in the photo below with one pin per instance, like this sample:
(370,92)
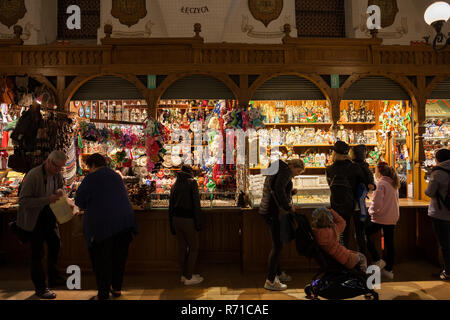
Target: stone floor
(414,281)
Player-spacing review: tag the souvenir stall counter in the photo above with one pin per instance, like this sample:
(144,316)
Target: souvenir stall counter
(413,239)
(149,169)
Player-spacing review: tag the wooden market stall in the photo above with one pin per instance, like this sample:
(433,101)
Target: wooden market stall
(155,67)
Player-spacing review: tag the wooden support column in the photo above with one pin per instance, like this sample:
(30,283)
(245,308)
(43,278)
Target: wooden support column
(419,129)
(244,94)
(335,102)
(60,98)
(152,102)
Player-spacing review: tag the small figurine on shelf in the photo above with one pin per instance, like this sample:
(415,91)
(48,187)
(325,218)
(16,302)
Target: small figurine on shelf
(344,117)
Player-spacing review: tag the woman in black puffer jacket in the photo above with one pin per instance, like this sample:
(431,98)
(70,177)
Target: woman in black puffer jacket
(343,177)
(185,222)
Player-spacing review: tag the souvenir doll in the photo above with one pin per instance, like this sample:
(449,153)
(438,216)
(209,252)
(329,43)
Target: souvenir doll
(344,117)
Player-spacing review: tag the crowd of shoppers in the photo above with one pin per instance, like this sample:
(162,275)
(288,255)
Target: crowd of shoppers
(109,221)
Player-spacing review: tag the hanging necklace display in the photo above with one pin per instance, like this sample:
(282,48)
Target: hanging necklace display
(103,111)
(119,113)
(94,111)
(126,114)
(111,110)
(81,112)
(88,112)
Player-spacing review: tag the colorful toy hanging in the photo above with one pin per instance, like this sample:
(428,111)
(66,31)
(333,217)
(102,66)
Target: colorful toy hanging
(394,121)
(156,135)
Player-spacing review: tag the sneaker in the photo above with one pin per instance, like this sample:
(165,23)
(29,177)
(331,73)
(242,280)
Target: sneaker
(387,274)
(193,281)
(183,278)
(444,276)
(276,285)
(381,264)
(284,277)
(116,293)
(46,294)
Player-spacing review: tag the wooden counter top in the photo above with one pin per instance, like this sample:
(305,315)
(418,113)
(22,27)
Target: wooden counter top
(413,203)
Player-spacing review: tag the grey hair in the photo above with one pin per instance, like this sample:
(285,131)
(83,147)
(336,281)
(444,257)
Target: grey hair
(57,155)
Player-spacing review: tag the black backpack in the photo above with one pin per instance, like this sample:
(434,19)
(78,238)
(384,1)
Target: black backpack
(304,238)
(342,196)
(446,199)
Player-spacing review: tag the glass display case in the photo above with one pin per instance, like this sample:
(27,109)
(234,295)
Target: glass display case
(312,191)
(207,200)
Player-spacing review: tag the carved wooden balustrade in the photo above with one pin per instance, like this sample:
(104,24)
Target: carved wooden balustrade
(336,52)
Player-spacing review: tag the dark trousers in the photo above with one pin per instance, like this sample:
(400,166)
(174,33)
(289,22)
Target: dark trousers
(45,231)
(108,259)
(277,247)
(388,233)
(346,214)
(442,230)
(360,233)
(187,238)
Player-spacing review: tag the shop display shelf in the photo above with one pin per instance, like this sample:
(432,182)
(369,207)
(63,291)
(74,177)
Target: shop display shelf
(299,124)
(442,116)
(179,106)
(116,122)
(358,123)
(259,168)
(437,138)
(320,145)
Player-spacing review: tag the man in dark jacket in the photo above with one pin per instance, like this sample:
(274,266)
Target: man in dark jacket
(343,177)
(185,222)
(277,196)
(108,224)
(437,190)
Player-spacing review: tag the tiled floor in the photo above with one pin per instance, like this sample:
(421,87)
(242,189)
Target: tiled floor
(414,281)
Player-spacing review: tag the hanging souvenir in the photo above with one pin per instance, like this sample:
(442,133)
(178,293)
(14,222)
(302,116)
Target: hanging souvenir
(126,114)
(88,112)
(81,112)
(118,113)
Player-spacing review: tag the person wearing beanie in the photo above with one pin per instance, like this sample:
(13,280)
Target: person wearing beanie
(438,210)
(185,222)
(343,177)
(358,155)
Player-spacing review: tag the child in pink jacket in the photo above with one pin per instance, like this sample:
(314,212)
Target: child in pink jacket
(327,226)
(384,213)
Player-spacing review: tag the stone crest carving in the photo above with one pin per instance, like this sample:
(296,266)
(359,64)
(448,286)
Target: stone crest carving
(389,10)
(11,11)
(129,12)
(265,10)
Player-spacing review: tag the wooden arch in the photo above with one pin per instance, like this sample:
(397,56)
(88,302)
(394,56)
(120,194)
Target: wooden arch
(172,78)
(434,83)
(403,81)
(70,91)
(316,79)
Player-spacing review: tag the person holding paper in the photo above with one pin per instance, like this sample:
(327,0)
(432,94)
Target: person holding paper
(41,187)
(108,224)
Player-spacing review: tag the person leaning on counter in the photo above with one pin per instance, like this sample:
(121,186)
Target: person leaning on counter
(108,224)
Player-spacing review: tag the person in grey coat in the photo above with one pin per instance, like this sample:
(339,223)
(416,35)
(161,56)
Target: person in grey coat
(437,190)
(39,189)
